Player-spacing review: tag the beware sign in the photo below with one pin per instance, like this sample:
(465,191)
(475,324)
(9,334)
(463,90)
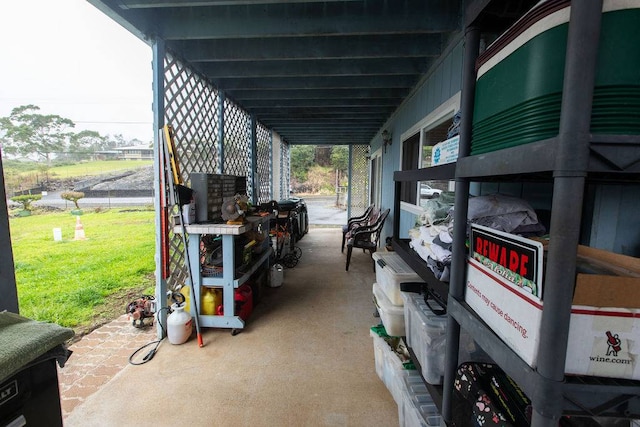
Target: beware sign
(514,258)
(504,286)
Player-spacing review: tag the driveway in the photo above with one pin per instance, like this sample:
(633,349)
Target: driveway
(54,199)
(322,210)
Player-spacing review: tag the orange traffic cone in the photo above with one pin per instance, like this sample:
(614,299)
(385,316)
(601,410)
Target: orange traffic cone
(79,234)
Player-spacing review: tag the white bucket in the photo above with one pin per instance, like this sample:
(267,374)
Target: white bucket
(277,275)
(57,234)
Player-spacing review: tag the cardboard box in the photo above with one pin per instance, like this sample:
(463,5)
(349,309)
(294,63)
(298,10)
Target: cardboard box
(504,286)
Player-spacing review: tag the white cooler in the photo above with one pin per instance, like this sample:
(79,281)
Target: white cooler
(391,270)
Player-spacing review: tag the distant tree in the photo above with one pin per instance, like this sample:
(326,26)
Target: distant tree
(340,161)
(302,158)
(26,199)
(323,155)
(340,157)
(83,143)
(26,132)
(72,196)
(117,140)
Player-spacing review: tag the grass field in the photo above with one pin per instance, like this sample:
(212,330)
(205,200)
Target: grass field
(82,283)
(24,169)
(96,168)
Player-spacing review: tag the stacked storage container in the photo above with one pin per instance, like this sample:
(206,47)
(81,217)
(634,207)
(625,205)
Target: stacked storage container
(390,368)
(417,408)
(391,271)
(415,405)
(426,336)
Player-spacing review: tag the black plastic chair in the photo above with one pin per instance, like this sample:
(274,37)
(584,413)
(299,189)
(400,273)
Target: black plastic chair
(356,221)
(367,238)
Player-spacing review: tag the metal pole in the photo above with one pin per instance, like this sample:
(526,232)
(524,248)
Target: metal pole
(459,257)
(349,179)
(8,289)
(569,179)
(158,49)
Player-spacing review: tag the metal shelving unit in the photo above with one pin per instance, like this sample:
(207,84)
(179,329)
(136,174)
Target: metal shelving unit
(230,279)
(569,160)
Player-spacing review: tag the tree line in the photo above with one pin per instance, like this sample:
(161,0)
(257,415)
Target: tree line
(314,167)
(28,133)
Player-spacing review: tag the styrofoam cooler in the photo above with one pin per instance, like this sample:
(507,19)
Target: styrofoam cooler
(391,270)
(392,316)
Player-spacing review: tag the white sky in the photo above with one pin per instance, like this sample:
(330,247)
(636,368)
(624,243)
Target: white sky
(70,59)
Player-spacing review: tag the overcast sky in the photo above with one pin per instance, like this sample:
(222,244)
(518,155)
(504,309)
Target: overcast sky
(70,59)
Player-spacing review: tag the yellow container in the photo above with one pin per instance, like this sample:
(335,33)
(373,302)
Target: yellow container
(211,299)
(186,293)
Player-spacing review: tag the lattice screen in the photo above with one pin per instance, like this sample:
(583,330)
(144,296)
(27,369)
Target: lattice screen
(191,105)
(237,143)
(263,137)
(359,179)
(285,168)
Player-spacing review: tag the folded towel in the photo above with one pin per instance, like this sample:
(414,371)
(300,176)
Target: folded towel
(24,340)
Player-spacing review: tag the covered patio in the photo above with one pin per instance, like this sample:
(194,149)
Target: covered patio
(240,83)
(305,358)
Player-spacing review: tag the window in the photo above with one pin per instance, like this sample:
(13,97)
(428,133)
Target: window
(376,178)
(431,189)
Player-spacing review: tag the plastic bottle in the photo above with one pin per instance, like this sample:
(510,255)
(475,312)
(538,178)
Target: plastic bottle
(186,293)
(179,325)
(208,301)
(211,299)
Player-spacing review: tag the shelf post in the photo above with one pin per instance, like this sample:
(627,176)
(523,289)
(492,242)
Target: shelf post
(458,263)
(569,179)
(159,52)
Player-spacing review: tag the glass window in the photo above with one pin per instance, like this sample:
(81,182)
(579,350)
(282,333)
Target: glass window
(427,190)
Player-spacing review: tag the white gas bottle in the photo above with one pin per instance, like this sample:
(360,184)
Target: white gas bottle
(179,324)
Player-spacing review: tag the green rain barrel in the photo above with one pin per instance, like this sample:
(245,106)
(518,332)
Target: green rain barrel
(519,80)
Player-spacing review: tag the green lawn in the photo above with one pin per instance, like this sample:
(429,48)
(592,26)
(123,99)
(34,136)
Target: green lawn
(77,283)
(96,168)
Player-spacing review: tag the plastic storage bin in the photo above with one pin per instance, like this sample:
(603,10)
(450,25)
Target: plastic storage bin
(428,338)
(417,408)
(391,270)
(426,335)
(390,368)
(392,316)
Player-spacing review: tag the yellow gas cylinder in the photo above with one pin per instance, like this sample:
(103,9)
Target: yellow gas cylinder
(186,293)
(210,300)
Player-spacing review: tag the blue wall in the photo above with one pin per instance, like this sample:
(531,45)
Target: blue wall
(444,81)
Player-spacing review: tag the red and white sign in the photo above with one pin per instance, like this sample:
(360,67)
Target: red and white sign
(504,286)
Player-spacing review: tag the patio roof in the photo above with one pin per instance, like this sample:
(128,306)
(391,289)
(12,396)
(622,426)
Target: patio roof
(316,72)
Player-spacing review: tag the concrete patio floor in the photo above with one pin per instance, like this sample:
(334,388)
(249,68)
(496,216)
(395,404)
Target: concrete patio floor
(305,358)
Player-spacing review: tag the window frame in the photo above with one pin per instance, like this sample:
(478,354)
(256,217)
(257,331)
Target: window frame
(439,115)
